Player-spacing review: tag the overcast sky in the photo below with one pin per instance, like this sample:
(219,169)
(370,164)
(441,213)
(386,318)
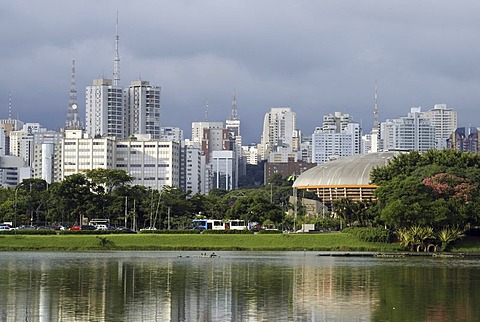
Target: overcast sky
(317,57)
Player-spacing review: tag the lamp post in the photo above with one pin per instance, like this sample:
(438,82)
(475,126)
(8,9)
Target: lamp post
(15,205)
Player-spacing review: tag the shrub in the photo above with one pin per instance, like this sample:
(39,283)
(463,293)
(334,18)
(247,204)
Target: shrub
(175,231)
(370,234)
(229,232)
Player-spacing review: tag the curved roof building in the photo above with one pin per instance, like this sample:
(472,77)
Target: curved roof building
(343,178)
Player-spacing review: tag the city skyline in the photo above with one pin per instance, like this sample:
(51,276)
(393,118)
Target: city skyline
(316,58)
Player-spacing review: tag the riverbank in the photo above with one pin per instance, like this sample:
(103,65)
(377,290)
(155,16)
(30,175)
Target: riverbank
(208,242)
(261,242)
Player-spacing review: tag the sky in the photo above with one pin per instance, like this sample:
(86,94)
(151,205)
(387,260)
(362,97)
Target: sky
(317,57)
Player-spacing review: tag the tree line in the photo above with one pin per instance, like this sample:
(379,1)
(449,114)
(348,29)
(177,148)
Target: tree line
(438,189)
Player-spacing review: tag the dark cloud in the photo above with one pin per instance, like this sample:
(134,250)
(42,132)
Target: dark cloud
(316,56)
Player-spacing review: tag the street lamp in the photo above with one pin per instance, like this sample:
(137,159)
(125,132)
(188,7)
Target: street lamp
(15,205)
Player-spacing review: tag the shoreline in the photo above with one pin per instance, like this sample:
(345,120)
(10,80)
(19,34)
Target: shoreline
(332,244)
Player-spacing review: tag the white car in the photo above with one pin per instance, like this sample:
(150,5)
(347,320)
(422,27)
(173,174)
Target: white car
(5,228)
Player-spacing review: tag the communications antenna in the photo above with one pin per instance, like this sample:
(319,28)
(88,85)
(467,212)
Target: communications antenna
(116,62)
(234,115)
(206,112)
(73,117)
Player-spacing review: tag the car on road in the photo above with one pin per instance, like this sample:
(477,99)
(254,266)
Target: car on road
(126,230)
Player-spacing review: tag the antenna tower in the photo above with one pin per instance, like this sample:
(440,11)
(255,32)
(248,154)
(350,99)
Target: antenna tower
(234,115)
(9,106)
(206,112)
(375,109)
(116,62)
(73,118)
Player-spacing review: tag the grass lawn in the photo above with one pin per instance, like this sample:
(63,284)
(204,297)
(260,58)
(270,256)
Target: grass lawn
(318,242)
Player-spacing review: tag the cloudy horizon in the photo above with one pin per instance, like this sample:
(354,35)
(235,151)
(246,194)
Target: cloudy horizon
(318,57)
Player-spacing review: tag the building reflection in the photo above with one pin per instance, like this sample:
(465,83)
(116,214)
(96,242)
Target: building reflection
(123,288)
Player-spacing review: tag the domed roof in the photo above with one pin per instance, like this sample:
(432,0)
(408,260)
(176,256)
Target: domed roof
(344,172)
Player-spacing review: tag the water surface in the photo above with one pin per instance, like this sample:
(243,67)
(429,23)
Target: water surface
(235,286)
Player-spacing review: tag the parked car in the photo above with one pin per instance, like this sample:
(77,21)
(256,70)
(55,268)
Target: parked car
(101,227)
(126,230)
(88,227)
(76,227)
(27,227)
(5,228)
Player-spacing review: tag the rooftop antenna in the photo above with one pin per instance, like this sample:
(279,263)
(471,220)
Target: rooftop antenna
(206,112)
(9,106)
(375,108)
(73,118)
(375,130)
(234,115)
(116,62)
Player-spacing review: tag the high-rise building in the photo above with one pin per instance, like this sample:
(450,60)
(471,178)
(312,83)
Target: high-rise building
(151,163)
(337,137)
(444,120)
(279,127)
(142,109)
(104,109)
(464,139)
(408,133)
(224,170)
(171,133)
(47,149)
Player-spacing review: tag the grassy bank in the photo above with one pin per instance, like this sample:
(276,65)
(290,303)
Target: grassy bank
(317,242)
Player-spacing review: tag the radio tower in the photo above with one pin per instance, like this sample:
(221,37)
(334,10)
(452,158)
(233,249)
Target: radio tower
(73,118)
(206,113)
(375,129)
(234,115)
(116,62)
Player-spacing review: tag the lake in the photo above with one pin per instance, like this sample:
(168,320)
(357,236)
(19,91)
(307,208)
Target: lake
(235,286)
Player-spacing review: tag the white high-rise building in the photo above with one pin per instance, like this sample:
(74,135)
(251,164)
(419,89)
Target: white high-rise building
(48,156)
(21,142)
(194,167)
(332,141)
(142,109)
(444,120)
(151,163)
(223,170)
(171,133)
(279,127)
(104,109)
(408,133)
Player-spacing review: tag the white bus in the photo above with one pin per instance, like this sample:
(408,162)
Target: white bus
(217,224)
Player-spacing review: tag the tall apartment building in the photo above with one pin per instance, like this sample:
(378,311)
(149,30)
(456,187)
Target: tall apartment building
(47,152)
(104,109)
(151,163)
(279,127)
(464,139)
(336,139)
(193,165)
(444,120)
(171,133)
(22,143)
(142,109)
(408,133)
(224,170)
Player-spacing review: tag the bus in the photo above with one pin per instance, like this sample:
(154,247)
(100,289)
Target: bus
(217,224)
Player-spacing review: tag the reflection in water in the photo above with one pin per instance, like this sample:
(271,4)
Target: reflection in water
(237,286)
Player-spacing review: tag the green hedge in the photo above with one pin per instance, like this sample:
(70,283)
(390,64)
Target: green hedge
(270,231)
(30,232)
(370,234)
(166,232)
(230,231)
